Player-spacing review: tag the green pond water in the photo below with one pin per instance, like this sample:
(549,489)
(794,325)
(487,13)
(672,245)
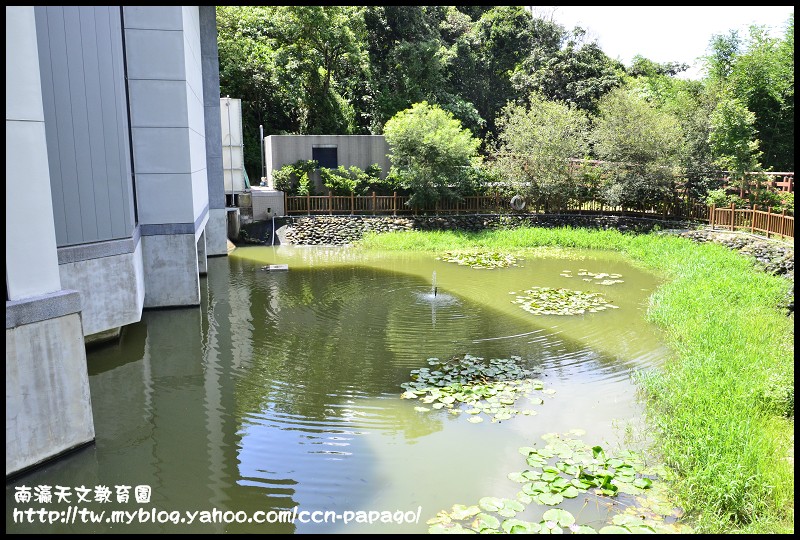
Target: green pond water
(282,389)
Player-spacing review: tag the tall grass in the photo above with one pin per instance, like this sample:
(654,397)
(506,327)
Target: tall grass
(723,404)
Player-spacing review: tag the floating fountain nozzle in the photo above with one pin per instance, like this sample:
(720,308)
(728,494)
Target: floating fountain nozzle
(434,290)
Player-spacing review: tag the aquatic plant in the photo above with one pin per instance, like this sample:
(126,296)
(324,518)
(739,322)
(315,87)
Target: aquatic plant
(600,278)
(563,469)
(560,301)
(480,259)
(474,386)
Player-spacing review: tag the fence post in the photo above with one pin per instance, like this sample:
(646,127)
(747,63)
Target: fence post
(330,203)
(285,205)
(753,219)
(394,203)
(783,222)
(769,219)
(352,204)
(308,204)
(711,216)
(374,203)
(733,215)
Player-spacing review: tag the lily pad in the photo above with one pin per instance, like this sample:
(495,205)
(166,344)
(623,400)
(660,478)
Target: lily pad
(480,259)
(559,301)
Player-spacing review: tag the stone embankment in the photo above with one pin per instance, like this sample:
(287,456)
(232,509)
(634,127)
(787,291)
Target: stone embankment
(342,230)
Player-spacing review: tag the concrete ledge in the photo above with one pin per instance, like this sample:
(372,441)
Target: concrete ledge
(98,250)
(164,229)
(42,308)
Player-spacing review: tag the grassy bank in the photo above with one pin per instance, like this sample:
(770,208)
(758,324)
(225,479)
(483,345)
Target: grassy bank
(723,406)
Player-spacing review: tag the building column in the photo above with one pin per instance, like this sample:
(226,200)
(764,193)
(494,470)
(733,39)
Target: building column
(48,407)
(216,239)
(165,80)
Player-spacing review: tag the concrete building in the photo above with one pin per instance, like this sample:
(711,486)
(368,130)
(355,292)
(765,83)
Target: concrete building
(329,150)
(114,195)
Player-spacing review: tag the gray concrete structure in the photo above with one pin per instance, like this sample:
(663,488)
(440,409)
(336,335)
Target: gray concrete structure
(359,150)
(216,239)
(267,203)
(48,410)
(169,147)
(112,151)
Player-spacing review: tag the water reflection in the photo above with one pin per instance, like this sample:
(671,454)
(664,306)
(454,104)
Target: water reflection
(282,389)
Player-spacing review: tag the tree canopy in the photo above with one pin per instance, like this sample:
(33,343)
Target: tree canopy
(350,69)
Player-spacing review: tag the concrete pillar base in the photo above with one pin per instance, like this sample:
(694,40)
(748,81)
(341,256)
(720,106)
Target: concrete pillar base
(48,407)
(171,276)
(217,232)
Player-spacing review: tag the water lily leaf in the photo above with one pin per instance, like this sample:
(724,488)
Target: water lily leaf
(583,529)
(523,497)
(449,528)
(614,529)
(491,504)
(531,475)
(448,399)
(535,488)
(437,405)
(562,517)
(461,511)
(551,499)
(570,492)
(559,482)
(517,477)
(580,484)
(485,521)
(641,529)
(421,409)
(546,452)
(475,419)
(550,527)
(517,526)
(527,450)
(535,460)
(643,483)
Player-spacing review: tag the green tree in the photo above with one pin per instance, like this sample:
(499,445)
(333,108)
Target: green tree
(568,69)
(247,70)
(322,49)
(733,140)
(758,70)
(430,153)
(534,147)
(690,104)
(642,145)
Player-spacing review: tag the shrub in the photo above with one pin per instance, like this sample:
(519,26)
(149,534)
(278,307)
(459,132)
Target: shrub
(429,153)
(288,178)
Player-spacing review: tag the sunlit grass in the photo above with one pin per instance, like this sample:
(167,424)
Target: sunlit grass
(723,404)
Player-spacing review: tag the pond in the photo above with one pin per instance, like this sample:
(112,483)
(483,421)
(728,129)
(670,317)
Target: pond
(283,389)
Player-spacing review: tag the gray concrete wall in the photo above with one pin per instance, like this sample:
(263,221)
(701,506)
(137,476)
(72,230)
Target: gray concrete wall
(267,203)
(216,243)
(171,270)
(112,289)
(48,407)
(165,74)
(85,109)
(359,150)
